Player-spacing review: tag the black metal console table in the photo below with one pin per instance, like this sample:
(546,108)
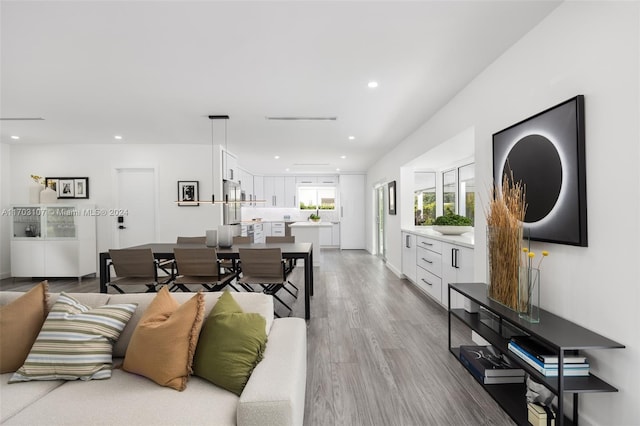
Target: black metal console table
(565,337)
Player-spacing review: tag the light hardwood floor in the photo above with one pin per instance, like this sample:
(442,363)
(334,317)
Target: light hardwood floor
(377,349)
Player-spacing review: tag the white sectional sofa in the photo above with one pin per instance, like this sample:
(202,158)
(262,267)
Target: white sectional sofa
(274,394)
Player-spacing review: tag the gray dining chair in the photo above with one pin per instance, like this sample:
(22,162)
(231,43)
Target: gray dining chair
(263,267)
(133,267)
(291,263)
(199,266)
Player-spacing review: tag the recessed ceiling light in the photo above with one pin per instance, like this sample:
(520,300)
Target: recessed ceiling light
(351,138)
(372,84)
(286,170)
(337,170)
(15,137)
(118,137)
(343,156)
(276,157)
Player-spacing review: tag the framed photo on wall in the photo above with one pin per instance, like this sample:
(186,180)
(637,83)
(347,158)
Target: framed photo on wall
(188,193)
(392,197)
(69,187)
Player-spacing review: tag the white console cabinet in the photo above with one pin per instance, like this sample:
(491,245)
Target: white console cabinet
(54,240)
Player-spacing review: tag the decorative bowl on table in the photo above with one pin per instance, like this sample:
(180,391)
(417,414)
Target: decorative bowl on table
(314,220)
(452,230)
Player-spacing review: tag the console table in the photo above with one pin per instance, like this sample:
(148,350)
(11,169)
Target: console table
(497,323)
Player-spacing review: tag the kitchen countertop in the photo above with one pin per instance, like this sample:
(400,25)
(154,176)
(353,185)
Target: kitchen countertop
(309,224)
(467,239)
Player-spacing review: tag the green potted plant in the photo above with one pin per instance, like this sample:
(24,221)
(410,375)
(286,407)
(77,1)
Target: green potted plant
(314,217)
(452,224)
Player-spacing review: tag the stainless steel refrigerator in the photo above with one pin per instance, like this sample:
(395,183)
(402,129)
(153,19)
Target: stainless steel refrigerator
(231,207)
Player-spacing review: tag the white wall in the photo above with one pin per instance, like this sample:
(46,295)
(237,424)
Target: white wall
(98,162)
(5,228)
(590,48)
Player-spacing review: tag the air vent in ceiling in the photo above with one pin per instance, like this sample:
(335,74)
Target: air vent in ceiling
(310,164)
(21,118)
(300,118)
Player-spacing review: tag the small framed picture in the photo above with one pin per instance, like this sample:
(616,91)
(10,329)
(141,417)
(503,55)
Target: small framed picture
(81,187)
(392,198)
(51,183)
(66,188)
(188,193)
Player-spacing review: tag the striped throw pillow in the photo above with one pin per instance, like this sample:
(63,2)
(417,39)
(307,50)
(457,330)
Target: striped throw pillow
(75,342)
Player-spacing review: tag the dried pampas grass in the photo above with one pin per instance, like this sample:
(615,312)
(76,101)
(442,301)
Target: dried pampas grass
(505,216)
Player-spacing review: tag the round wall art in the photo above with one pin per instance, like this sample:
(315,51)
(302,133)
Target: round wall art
(546,152)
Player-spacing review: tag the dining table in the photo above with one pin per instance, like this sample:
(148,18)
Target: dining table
(164,251)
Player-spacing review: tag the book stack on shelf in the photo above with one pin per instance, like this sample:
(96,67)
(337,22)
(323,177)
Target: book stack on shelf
(544,360)
(488,367)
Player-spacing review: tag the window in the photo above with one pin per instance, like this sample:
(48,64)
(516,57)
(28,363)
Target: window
(449,192)
(321,198)
(467,189)
(424,198)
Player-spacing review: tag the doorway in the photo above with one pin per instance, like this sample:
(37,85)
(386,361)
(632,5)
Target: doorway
(380,225)
(135,218)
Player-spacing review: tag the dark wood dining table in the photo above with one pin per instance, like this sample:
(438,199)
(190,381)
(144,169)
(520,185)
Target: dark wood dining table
(164,251)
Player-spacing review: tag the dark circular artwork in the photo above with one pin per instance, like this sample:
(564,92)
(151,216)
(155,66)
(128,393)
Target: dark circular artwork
(536,162)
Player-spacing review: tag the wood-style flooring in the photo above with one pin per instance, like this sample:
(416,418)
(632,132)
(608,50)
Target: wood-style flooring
(377,349)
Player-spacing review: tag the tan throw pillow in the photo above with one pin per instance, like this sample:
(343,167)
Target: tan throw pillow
(20,323)
(164,341)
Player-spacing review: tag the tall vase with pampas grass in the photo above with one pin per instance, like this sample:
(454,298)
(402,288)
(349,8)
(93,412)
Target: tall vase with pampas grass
(505,216)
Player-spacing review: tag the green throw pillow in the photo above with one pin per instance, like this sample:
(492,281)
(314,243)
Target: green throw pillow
(226,304)
(231,344)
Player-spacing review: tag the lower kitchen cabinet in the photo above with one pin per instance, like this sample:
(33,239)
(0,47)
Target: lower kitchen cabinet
(432,263)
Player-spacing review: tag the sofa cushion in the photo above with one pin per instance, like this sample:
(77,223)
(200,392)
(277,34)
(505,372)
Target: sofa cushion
(231,345)
(15,398)
(20,323)
(164,341)
(75,342)
(128,399)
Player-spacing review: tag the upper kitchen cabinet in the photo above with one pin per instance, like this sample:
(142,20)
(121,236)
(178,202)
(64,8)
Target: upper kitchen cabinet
(280,191)
(229,166)
(317,180)
(245,179)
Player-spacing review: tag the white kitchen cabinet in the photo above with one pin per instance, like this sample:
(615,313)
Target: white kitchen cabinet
(306,180)
(352,202)
(335,234)
(229,166)
(53,240)
(258,191)
(246,182)
(266,229)
(409,256)
(328,180)
(437,263)
(278,229)
(279,191)
(326,237)
(457,267)
(258,233)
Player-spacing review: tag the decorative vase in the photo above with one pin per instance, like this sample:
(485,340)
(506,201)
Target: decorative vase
(48,196)
(34,193)
(212,238)
(503,252)
(529,294)
(225,236)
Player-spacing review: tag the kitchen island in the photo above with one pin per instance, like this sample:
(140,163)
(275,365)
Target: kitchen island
(309,232)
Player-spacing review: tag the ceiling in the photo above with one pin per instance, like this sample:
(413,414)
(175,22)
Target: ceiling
(152,72)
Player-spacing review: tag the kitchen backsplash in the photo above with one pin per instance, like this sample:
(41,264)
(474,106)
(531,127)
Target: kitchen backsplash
(270,214)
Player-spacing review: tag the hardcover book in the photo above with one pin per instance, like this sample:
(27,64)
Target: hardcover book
(488,366)
(568,369)
(543,353)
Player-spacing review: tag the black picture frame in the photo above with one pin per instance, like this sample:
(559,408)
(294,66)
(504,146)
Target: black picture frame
(392,197)
(547,153)
(69,187)
(188,193)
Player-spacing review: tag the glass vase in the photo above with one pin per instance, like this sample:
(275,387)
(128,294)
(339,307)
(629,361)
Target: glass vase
(529,294)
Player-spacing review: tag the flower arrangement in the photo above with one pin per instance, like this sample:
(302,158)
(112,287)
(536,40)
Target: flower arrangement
(505,216)
(529,286)
(37,179)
